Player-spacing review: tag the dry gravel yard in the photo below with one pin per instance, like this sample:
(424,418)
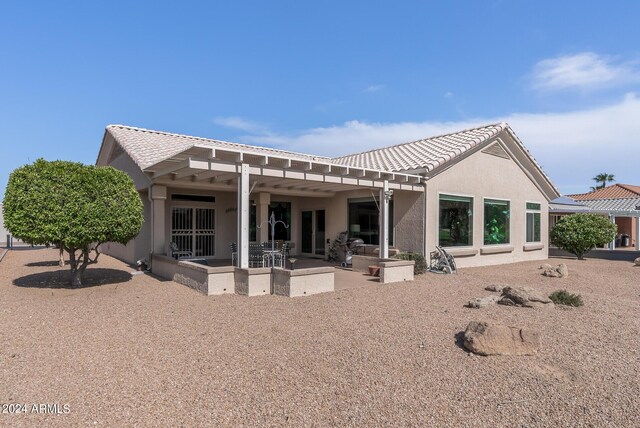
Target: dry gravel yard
(139,351)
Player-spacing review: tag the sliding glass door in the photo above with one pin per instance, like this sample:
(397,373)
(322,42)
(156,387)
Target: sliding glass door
(312,234)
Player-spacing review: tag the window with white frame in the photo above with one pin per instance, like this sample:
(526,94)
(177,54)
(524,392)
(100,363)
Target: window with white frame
(455,221)
(533,222)
(496,222)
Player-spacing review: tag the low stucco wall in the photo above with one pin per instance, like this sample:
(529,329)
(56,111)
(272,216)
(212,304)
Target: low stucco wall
(303,282)
(362,263)
(253,282)
(205,279)
(396,271)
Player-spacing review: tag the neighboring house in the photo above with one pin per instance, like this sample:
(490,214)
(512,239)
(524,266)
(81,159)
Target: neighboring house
(479,193)
(619,202)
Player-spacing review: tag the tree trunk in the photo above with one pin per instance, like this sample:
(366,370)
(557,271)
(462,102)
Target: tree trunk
(78,265)
(61,257)
(76,278)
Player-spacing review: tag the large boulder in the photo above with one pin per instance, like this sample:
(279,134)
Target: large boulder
(495,339)
(496,288)
(637,261)
(523,296)
(481,302)
(560,271)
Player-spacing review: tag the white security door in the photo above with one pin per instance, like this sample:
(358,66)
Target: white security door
(193,230)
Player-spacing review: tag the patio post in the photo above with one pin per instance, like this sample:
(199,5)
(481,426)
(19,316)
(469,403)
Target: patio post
(385,195)
(243,216)
(158,197)
(638,233)
(612,246)
(264,199)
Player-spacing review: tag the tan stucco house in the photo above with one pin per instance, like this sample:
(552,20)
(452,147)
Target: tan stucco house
(478,192)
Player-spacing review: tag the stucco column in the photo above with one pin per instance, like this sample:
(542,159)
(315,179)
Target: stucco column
(243,216)
(612,246)
(159,239)
(384,220)
(264,199)
(638,233)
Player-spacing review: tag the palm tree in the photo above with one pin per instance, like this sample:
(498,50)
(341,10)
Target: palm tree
(602,180)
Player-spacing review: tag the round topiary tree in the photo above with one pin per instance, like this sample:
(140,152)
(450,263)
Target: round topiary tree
(580,233)
(73,206)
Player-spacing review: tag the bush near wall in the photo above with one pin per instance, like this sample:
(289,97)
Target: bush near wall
(421,264)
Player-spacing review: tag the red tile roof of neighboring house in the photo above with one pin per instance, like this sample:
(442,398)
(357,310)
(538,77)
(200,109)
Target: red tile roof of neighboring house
(617,191)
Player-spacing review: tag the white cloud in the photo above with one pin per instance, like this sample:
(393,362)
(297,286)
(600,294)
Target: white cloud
(585,70)
(374,88)
(571,146)
(238,123)
(448,94)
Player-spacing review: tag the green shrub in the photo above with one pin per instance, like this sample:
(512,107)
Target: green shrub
(563,297)
(421,264)
(579,233)
(73,206)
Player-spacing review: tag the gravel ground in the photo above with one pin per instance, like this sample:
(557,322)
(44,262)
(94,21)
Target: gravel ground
(134,350)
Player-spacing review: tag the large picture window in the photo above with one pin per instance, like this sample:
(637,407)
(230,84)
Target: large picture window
(456,221)
(533,222)
(282,211)
(364,220)
(496,222)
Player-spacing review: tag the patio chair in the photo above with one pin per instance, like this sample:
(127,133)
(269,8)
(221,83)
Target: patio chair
(256,255)
(281,257)
(234,253)
(177,253)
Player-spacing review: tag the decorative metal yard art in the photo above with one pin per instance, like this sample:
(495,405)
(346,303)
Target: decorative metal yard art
(272,222)
(442,262)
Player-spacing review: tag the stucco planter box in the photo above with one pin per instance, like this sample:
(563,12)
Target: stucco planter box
(396,271)
(207,280)
(362,263)
(303,282)
(253,281)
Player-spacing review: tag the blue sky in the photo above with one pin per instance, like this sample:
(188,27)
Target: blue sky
(325,77)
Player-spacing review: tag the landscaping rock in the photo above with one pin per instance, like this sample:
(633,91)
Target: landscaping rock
(560,271)
(495,339)
(563,270)
(522,296)
(481,302)
(496,288)
(637,261)
(545,266)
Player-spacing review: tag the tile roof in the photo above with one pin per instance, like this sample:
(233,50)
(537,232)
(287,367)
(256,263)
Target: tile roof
(617,191)
(428,153)
(147,147)
(630,205)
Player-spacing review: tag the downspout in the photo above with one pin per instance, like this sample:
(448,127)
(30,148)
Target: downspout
(150,267)
(425,241)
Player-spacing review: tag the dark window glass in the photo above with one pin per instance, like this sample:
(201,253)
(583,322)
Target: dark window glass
(496,222)
(252,222)
(282,211)
(193,198)
(364,221)
(456,221)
